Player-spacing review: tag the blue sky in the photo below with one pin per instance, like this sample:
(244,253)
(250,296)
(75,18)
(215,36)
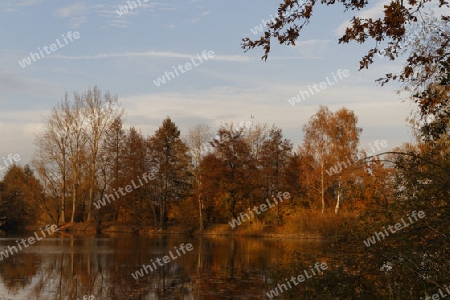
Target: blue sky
(125,54)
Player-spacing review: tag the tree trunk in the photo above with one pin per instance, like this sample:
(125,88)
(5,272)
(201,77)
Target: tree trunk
(63,211)
(89,205)
(200,205)
(200,211)
(322,189)
(74,197)
(336,209)
(63,197)
(91,191)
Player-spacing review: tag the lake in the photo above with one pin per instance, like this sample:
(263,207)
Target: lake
(66,266)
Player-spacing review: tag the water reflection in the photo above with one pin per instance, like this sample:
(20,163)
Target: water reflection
(71,266)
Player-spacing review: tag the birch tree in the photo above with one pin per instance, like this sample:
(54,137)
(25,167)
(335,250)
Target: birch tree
(51,156)
(197,138)
(100,111)
(330,138)
(74,119)
(345,137)
(60,151)
(68,151)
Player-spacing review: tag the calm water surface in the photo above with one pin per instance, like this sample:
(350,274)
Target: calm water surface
(65,266)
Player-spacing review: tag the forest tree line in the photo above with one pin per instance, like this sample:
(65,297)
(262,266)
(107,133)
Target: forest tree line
(85,159)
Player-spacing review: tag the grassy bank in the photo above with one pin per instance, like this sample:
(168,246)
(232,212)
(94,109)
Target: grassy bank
(305,224)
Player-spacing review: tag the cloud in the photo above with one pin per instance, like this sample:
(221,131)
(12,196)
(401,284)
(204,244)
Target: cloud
(168,54)
(199,18)
(71,10)
(193,21)
(15,5)
(376,108)
(76,13)
(14,83)
(27,2)
(19,129)
(79,13)
(123,21)
(218,105)
(312,48)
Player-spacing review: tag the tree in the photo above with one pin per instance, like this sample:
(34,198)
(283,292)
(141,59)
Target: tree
(345,146)
(21,191)
(423,172)
(113,166)
(196,139)
(294,15)
(169,156)
(76,159)
(234,165)
(51,157)
(68,151)
(330,138)
(136,164)
(292,178)
(100,112)
(402,29)
(275,156)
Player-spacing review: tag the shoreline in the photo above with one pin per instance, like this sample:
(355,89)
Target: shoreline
(214,230)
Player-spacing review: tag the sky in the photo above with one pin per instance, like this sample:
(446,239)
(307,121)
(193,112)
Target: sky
(126,52)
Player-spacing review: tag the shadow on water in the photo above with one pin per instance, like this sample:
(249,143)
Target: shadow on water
(72,267)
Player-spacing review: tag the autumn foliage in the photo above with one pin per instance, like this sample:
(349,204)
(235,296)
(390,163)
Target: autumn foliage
(86,156)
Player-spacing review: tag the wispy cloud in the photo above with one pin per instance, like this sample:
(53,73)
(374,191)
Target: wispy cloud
(193,21)
(71,10)
(27,2)
(15,83)
(313,48)
(199,18)
(76,13)
(123,21)
(168,54)
(15,5)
